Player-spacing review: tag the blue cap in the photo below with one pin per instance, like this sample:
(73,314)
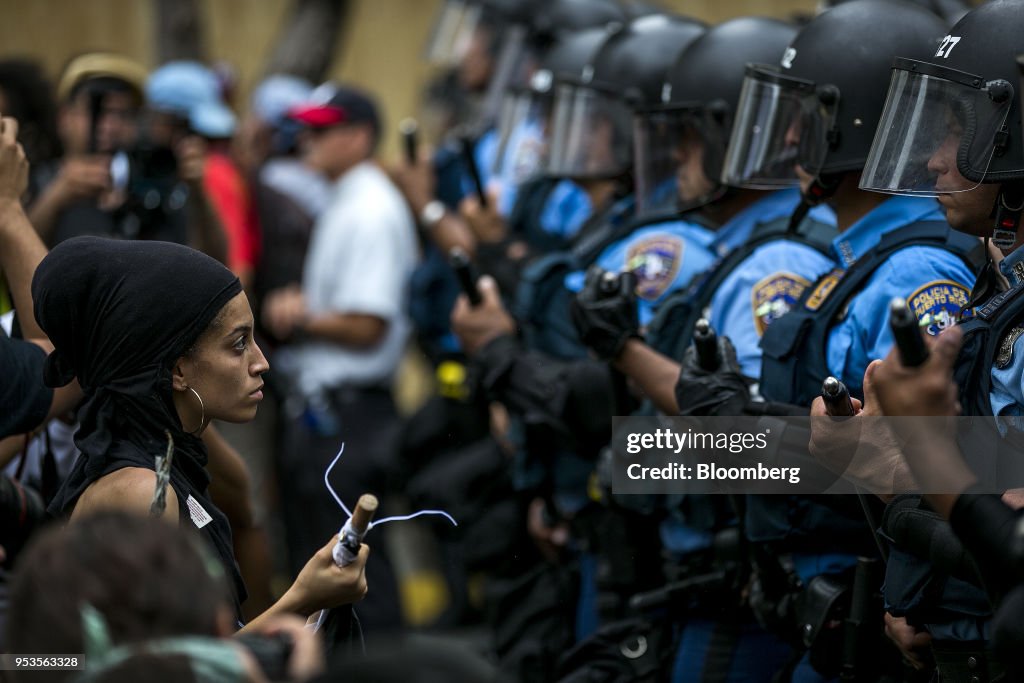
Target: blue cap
(191,91)
(275,96)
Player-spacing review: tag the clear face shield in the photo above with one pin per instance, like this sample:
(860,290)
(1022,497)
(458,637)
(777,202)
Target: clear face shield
(781,123)
(513,65)
(938,131)
(591,133)
(523,129)
(453,32)
(671,147)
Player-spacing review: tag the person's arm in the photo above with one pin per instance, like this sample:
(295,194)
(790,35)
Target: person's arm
(321,584)
(80,178)
(21,250)
(129,489)
(862,448)
(355,330)
(654,374)
(418,182)
(927,391)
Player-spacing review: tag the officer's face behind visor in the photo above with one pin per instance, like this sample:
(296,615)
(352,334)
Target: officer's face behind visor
(670,148)
(523,126)
(590,134)
(937,132)
(781,123)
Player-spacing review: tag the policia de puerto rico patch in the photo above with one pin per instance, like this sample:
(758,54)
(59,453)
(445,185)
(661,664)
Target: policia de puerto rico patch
(773,296)
(937,304)
(656,262)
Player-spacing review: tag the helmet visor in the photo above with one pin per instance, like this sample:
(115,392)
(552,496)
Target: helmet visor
(515,60)
(591,134)
(937,131)
(781,122)
(522,135)
(453,32)
(670,148)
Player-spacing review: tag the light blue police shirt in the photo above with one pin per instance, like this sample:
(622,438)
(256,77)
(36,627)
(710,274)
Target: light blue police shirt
(664,257)
(768,281)
(936,283)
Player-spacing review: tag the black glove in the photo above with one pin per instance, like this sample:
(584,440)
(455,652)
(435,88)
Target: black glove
(723,391)
(605,312)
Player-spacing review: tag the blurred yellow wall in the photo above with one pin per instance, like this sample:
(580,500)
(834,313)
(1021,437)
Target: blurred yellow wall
(380,48)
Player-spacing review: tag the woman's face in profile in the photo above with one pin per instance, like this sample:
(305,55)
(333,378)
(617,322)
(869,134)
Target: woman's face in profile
(225,367)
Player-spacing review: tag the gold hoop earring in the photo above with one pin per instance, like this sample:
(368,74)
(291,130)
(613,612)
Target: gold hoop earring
(202,416)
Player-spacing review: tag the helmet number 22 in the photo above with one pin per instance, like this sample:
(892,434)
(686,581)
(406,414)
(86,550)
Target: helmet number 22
(947,46)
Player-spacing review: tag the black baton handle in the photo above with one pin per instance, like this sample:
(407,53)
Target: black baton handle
(706,342)
(474,172)
(463,268)
(907,333)
(837,398)
(409,129)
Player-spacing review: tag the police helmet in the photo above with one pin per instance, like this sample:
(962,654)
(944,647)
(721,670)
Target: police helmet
(958,102)
(697,105)
(566,35)
(592,120)
(818,109)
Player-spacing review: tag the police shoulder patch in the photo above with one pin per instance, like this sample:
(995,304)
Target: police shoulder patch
(937,304)
(655,261)
(773,296)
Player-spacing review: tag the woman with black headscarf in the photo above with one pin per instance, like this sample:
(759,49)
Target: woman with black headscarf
(160,337)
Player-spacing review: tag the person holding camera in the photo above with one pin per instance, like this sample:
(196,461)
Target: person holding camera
(112,181)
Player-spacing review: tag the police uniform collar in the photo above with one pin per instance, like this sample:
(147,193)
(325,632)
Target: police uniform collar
(890,215)
(1012,267)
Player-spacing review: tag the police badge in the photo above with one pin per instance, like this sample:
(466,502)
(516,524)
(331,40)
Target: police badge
(773,296)
(937,304)
(655,262)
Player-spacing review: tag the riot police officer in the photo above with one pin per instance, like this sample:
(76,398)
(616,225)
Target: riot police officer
(965,148)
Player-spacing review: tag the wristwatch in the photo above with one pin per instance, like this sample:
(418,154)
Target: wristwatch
(432,214)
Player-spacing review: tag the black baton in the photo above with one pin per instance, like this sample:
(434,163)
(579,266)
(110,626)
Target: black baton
(907,333)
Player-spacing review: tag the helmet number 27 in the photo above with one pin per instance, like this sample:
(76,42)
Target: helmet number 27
(947,46)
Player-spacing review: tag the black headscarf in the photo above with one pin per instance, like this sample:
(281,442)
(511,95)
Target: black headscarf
(119,314)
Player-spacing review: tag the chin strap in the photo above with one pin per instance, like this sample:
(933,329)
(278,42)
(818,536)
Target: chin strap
(1006,213)
(821,189)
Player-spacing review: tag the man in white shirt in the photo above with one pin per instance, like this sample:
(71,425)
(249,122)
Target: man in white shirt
(349,326)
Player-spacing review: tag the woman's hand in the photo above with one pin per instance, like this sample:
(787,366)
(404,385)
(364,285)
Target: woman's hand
(322,584)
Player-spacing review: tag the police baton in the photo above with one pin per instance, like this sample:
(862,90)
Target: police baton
(409,130)
(705,341)
(837,398)
(466,145)
(907,333)
(862,625)
(463,267)
(838,404)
